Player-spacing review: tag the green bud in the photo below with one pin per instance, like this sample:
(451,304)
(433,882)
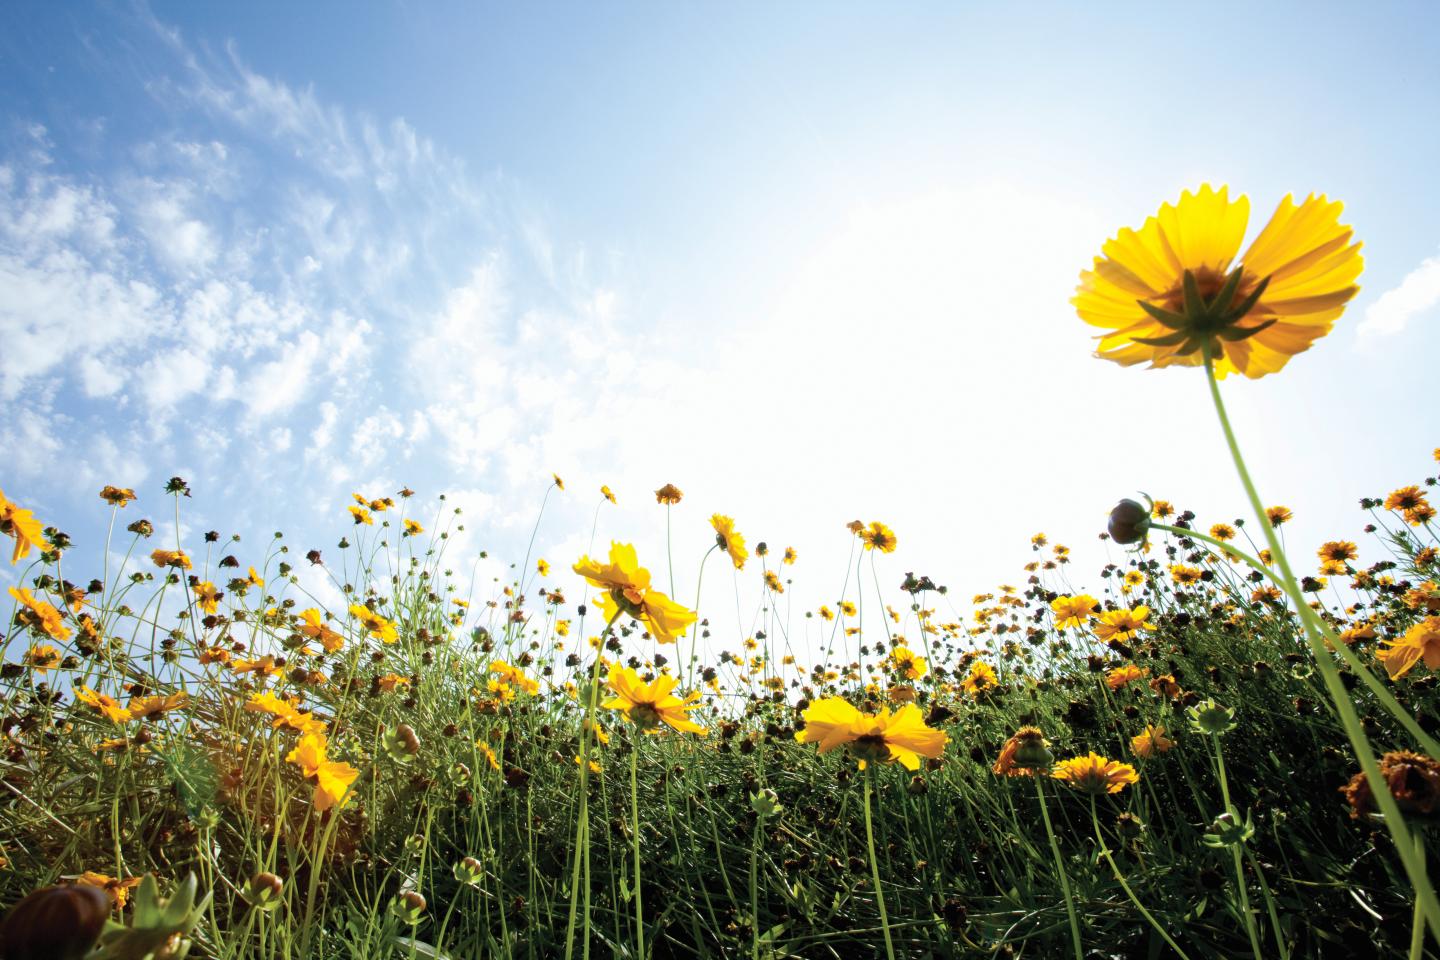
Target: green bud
(409,906)
(263,892)
(1211,718)
(766,803)
(470,871)
(1227,830)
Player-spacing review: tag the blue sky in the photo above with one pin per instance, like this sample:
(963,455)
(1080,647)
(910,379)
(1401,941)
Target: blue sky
(809,262)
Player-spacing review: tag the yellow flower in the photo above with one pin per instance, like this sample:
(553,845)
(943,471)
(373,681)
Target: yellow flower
(649,705)
(1420,642)
(899,737)
(558,482)
(254,579)
(264,665)
(361,515)
(789,556)
(170,558)
(627,586)
(1093,774)
(22,525)
(1150,741)
(1123,624)
(148,708)
(773,582)
(729,540)
(1182,574)
(285,712)
(1278,515)
(826,613)
(39,615)
(314,629)
(1073,611)
(606,493)
(1287,291)
(119,890)
(904,662)
(207,596)
(877,536)
(1121,676)
(668,495)
(412,528)
(108,706)
(513,675)
(42,657)
(390,681)
(332,779)
(542,568)
(376,625)
(1132,580)
(1222,531)
(117,496)
(981,678)
(847,608)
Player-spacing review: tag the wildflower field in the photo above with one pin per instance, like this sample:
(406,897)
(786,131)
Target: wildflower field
(1206,749)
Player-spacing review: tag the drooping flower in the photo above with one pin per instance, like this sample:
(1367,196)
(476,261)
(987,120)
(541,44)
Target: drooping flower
(1095,775)
(1073,611)
(899,737)
(877,536)
(361,515)
(730,540)
(21,525)
(374,624)
(117,496)
(514,676)
(1420,642)
(648,705)
(332,779)
(40,615)
(412,528)
(314,628)
(1150,741)
(170,558)
(265,666)
(1412,778)
(1123,624)
(108,706)
(669,495)
(1172,289)
(627,588)
(42,657)
(772,581)
(607,493)
(1123,675)
(285,711)
(148,708)
(1024,754)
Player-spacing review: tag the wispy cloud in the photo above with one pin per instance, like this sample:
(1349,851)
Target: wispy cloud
(1393,311)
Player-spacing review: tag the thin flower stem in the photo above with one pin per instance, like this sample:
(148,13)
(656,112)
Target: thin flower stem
(582,823)
(1120,877)
(1059,868)
(875,871)
(1417,933)
(1235,850)
(1414,866)
(635,836)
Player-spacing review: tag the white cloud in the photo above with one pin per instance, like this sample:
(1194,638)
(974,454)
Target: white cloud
(1395,308)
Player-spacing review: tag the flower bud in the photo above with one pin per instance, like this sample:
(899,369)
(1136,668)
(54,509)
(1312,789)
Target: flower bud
(263,892)
(470,871)
(1129,522)
(408,906)
(766,803)
(54,923)
(1211,718)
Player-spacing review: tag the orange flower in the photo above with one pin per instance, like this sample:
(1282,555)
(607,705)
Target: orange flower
(22,525)
(1093,774)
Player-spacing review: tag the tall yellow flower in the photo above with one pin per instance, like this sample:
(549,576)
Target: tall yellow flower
(39,615)
(1420,642)
(374,624)
(730,540)
(1167,291)
(1123,624)
(207,597)
(1094,774)
(877,536)
(515,676)
(627,584)
(650,704)
(1073,611)
(106,704)
(22,525)
(332,779)
(313,627)
(887,737)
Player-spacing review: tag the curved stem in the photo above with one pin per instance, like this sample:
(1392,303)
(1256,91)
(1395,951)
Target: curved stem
(875,872)
(1120,877)
(1240,885)
(1394,820)
(635,836)
(1059,868)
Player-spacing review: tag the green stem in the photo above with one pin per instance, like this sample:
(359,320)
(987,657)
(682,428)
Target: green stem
(1417,933)
(1059,868)
(1240,884)
(875,872)
(1414,865)
(635,836)
(1120,877)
